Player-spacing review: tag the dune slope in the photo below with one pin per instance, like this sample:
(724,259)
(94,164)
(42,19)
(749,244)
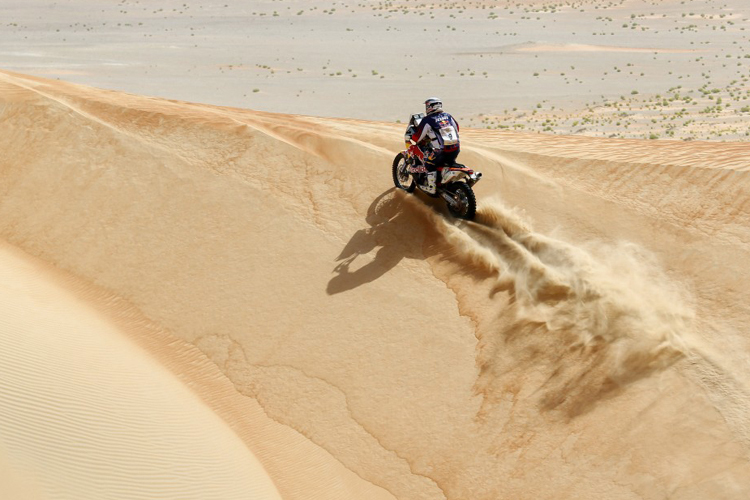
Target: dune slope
(84,412)
(585,337)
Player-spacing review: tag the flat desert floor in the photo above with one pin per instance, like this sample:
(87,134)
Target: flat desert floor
(211,289)
(618,68)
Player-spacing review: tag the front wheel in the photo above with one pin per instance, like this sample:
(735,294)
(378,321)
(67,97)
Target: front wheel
(401,176)
(464,204)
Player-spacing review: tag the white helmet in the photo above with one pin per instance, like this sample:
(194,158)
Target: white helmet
(433,105)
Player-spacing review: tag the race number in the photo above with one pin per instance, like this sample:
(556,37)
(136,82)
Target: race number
(449,135)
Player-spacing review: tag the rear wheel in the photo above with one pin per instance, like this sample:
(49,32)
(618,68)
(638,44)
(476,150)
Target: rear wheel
(401,176)
(465,203)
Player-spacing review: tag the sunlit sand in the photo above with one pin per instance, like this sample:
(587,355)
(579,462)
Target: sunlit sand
(210,288)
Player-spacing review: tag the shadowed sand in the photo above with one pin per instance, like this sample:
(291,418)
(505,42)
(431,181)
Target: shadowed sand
(585,337)
(87,412)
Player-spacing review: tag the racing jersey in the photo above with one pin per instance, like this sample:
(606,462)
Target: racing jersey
(441,130)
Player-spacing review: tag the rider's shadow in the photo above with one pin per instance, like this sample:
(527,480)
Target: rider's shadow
(394,230)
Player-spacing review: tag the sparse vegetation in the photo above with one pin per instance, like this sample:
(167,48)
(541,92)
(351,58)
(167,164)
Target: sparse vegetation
(707,54)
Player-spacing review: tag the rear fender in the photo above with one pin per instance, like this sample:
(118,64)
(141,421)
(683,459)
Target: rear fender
(458,174)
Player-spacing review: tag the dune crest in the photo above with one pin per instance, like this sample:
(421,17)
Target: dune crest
(580,47)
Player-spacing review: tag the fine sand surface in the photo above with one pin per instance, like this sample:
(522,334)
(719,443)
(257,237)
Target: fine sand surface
(206,302)
(87,414)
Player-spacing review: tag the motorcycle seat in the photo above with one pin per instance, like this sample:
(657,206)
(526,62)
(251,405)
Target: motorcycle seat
(453,164)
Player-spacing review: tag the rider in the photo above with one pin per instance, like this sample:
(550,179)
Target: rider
(440,132)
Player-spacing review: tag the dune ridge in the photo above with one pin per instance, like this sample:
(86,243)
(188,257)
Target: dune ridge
(591,325)
(580,47)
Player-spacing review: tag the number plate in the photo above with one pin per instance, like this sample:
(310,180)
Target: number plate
(449,135)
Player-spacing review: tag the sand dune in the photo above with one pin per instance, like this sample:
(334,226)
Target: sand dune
(581,47)
(585,337)
(88,416)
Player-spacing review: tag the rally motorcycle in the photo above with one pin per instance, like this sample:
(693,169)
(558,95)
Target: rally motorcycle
(456,180)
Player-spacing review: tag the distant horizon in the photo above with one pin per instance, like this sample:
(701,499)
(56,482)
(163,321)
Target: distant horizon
(597,68)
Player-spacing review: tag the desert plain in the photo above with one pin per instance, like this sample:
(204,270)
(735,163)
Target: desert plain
(212,290)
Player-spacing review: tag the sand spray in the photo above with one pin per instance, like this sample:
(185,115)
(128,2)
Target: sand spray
(594,317)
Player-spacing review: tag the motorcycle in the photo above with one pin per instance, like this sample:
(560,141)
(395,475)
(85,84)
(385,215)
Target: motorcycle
(456,180)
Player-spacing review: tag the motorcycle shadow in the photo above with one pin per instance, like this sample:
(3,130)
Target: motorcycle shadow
(395,230)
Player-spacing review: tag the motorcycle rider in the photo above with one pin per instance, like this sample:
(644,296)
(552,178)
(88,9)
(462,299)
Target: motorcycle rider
(438,130)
